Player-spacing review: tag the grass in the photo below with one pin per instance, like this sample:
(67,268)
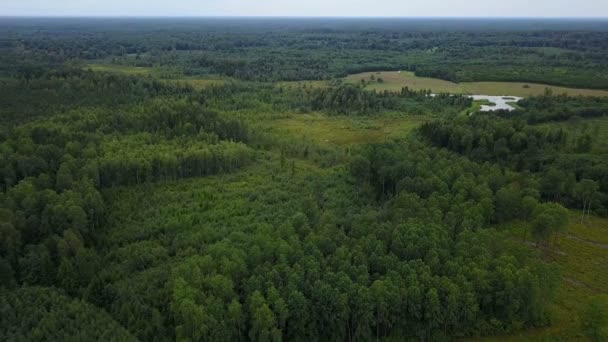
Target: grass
(476,106)
(162,75)
(197,83)
(128,70)
(394,81)
(327,130)
(581,253)
(299,84)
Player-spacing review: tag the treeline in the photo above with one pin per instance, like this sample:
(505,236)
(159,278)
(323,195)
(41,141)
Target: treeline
(41,147)
(572,177)
(34,91)
(488,138)
(552,107)
(338,98)
(137,160)
(349,99)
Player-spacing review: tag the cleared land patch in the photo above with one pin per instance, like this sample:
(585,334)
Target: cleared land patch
(583,263)
(394,81)
(128,70)
(197,83)
(160,74)
(303,84)
(327,130)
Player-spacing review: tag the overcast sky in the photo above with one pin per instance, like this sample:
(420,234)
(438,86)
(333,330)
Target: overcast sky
(406,8)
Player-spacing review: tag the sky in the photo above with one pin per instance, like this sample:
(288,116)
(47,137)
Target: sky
(391,8)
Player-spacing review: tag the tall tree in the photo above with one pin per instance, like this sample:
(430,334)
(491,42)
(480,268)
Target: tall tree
(64,177)
(584,191)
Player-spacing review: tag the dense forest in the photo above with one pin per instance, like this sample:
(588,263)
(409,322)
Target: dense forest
(568,52)
(134,207)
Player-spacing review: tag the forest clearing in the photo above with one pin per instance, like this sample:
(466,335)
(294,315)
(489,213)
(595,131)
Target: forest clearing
(395,80)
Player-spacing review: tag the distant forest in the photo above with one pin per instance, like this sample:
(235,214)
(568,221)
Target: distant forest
(568,52)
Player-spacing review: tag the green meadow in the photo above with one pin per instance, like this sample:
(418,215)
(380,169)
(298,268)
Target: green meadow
(394,81)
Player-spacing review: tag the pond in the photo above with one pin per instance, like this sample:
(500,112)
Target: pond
(497,102)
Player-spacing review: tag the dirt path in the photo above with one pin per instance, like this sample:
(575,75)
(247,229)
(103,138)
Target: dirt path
(578,283)
(544,248)
(589,242)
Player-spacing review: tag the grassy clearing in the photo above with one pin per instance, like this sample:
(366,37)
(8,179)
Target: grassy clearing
(300,84)
(326,130)
(582,256)
(128,70)
(162,75)
(476,106)
(394,81)
(197,83)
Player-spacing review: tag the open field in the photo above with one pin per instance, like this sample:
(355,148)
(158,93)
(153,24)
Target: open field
(197,83)
(326,130)
(305,84)
(128,70)
(161,75)
(582,256)
(393,80)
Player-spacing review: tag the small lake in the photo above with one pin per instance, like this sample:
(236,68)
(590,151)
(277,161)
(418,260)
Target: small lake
(499,102)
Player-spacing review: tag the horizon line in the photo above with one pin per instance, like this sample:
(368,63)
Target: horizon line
(119,16)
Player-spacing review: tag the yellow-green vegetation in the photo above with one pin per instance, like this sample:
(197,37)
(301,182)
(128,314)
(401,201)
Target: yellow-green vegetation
(300,84)
(581,253)
(394,81)
(197,83)
(341,130)
(123,69)
(477,106)
(168,76)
